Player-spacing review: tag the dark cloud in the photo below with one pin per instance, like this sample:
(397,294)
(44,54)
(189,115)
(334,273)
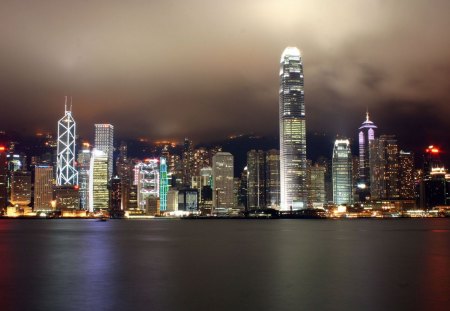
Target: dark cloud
(204,69)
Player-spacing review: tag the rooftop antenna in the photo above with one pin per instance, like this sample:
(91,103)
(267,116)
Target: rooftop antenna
(65,104)
(71,104)
(367,114)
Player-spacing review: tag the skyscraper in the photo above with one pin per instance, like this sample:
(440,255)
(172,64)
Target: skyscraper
(163,184)
(255,179)
(317,185)
(3,178)
(273,178)
(66,174)
(104,140)
(406,175)
(365,137)
(43,187)
(21,188)
(98,181)
(292,120)
(84,162)
(223,185)
(384,172)
(342,172)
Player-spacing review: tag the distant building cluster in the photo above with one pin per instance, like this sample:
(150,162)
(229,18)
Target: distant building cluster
(70,177)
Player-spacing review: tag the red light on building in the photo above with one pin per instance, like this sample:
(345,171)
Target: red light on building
(76,187)
(2,148)
(432,149)
(435,150)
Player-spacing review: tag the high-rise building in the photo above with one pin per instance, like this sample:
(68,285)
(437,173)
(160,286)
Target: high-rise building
(255,179)
(84,162)
(434,188)
(342,172)
(67,197)
(163,184)
(147,173)
(384,168)
(43,187)
(317,185)
(3,178)
(365,137)
(431,159)
(21,188)
(66,173)
(115,200)
(406,175)
(223,184)
(292,131)
(104,141)
(273,178)
(188,162)
(98,181)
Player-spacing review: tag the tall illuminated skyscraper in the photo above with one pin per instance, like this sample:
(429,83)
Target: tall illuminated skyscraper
(255,179)
(163,184)
(104,141)
(66,174)
(3,178)
(98,181)
(365,138)
(272,178)
(342,172)
(294,193)
(223,173)
(84,162)
(43,187)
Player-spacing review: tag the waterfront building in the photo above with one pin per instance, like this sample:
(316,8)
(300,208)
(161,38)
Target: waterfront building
(43,187)
(255,179)
(115,199)
(431,159)
(434,188)
(147,180)
(272,174)
(406,175)
(67,197)
(365,138)
(104,141)
(66,173)
(98,181)
(292,119)
(384,168)
(223,184)
(21,188)
(163,184)
(84,163)
(342,172)
(3,179)
(316,185)
(188,200)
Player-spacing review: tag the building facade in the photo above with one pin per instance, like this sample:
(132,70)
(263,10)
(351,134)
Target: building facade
(366,136)
(43,187)
(292,119)
(342,172)
(223,184)
(104,141)
(98,181)
(255,179)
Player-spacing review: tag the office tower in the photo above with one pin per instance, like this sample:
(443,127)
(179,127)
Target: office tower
(243,193)
(342,172)
(223,184)
(200,159)
(163,184)
(147,174)
(43,187)
(172,200)
(3,178)
(255,179)
(67,197)
(326,163)
(104,141)
(98,181)
(204,179)
(188,200)
(272,178)
(365,137)
(187,160)
(384,181)
(66,173)
(21,188)
(115,199)
(84,163)
(431,159)
(317,185)
(125,171)
(434,188)
(292,131)
(406,175)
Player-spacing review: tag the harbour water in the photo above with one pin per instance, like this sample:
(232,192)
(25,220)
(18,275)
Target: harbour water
(61,264)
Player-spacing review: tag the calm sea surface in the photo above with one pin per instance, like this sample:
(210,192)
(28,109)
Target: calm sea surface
(225,264)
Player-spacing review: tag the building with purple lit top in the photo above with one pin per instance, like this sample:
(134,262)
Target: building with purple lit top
(365,137)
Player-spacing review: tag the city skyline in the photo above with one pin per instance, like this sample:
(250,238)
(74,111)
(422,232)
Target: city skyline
(207,87)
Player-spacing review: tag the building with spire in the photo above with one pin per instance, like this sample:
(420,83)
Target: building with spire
(66,173)
(292,120)
(365,138)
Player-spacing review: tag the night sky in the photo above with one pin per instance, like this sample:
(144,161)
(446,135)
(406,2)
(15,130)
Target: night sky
(208,69)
